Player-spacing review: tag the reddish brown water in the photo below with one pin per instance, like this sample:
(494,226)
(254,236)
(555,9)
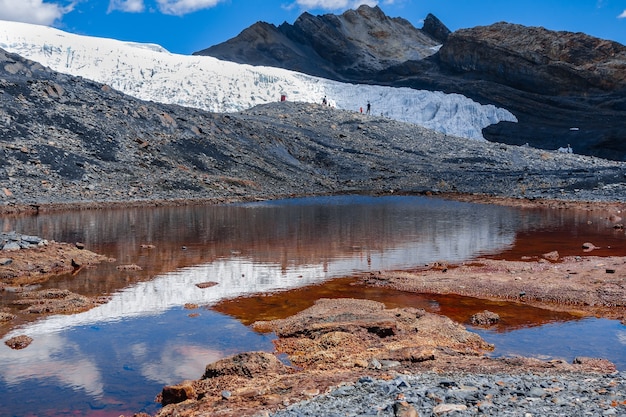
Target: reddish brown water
(286,303)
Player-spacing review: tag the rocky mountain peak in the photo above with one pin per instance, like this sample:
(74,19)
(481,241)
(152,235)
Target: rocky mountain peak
(357,42)
(435,28)
(536,59)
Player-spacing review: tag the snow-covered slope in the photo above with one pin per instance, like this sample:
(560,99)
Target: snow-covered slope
(149,72)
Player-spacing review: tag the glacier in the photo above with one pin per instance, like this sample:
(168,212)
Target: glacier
(149,72)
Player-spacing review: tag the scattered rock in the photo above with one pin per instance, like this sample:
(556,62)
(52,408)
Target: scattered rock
(588,247)
(404,409)
(551,256)
(36,262)
(594,363)
(207,284)
(18,342)
(413,354)
(448,408)
(130,267)
(4,317)
(614,218)
(485,318)
(56,301)
(174,394)
(249,365)
(13,241)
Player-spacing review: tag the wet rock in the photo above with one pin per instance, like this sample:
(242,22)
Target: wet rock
(174,394)
(588,247)
(207,284)
(247,364)
(56,301)
(614,218)
(130,267)
(343,315)
(18,342)
(551,256)
(4,317)
(485,318)
(404,409)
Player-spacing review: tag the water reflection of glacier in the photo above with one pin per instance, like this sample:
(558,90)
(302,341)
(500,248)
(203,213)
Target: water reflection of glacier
(238,276)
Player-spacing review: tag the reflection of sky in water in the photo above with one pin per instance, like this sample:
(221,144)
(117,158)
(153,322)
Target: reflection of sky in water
(599,338)
(119,365)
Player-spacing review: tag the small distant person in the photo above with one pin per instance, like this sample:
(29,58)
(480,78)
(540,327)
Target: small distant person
(361,109)
(369,108)
(324,101)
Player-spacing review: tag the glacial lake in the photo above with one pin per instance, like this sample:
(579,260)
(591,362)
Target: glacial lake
(269,260)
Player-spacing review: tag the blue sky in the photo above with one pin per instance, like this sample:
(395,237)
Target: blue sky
(186,26)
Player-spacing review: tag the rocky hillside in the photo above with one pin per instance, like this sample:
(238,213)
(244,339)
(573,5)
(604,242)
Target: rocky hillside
(65,139)
(564,88)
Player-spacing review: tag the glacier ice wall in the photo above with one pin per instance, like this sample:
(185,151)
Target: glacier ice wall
(149,72)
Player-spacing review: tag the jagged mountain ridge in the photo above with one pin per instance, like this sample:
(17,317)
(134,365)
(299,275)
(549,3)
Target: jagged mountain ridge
(360,44)
(149,72)
(564,88)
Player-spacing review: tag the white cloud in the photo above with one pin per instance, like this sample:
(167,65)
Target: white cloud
(33,11)
(129,6)
(623,15)
(183,7)
(334,4)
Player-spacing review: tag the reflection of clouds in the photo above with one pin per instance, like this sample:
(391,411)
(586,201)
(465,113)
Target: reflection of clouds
(621,337)
(178,362)
(47,358)
(238,275)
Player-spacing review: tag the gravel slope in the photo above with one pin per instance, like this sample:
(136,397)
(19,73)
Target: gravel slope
(432,394)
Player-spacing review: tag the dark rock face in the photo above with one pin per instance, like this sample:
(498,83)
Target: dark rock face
(435,28)
(564,88)
(352,45)
(537,60)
